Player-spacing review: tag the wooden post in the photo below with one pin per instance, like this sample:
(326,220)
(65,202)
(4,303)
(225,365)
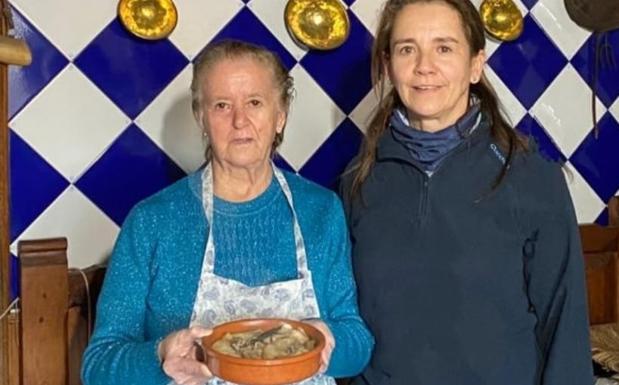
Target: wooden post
(44,302)
(13,373)
(613,211)
(12,51)
(4,222)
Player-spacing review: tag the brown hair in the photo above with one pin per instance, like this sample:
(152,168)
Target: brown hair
(236,49)
(501,130)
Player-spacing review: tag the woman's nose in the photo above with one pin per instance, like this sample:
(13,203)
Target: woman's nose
(239,117)
(424,64)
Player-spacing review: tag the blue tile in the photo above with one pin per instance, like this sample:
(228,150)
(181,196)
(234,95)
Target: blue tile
(349,2)
(602,219)
(282,163)
(129,70)
(608,75)
(529,64)
(547,147)
(34,184)
(597,159)
(344,73)
(330,160)
(47,61)
(129,171)
(529,3)
(247,27)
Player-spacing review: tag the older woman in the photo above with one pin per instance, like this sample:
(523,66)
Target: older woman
(237,239)
(465,243)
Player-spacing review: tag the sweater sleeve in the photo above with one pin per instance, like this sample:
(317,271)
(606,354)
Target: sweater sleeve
(353,341)
(556,287)
(118,351)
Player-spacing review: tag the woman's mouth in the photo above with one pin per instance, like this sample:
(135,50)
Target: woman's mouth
(424,88)
(240,141)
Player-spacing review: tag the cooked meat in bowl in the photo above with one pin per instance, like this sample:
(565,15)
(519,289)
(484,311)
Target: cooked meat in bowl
(282,341)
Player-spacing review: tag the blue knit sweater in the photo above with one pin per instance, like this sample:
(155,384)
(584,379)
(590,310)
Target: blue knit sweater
(152,277)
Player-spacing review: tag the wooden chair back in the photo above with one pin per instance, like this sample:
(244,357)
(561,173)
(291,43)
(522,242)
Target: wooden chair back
(600,246)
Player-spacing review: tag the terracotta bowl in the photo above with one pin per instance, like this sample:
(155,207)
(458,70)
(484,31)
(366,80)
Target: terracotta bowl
(257,371)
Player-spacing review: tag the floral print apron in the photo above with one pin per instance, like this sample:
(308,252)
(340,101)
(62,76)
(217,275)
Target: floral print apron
(221,300)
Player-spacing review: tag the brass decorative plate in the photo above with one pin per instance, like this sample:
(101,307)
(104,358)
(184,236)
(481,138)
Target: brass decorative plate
(148,19)
(317,24)
(502,19)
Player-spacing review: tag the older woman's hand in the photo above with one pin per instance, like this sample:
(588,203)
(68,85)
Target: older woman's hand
(178,353)
(329,343)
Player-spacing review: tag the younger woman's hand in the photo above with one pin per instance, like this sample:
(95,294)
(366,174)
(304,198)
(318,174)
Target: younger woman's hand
(178,353)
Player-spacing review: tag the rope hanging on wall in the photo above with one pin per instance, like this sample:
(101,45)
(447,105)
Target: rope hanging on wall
(12,305)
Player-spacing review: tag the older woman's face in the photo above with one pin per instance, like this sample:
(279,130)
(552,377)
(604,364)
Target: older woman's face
(430,64)
(241,112)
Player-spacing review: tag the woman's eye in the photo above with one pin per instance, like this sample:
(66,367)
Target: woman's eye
(406,50)
(255,103)
(220,106)
(444,49)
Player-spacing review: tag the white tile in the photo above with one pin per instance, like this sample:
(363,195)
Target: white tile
(200,21)
(271,14)
(368,11)
(492,45)
(511,105)
(90,233)
(169,122)
(69,24)
(307,129)
(614,109)
(70,123)
(362,114)
(564,110)
(552,16)
(587,203)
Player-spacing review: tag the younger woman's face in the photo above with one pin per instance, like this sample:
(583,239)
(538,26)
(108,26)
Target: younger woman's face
(430,64)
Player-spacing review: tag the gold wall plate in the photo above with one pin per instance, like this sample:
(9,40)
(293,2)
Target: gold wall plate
(317,24)
(148,19)
(502,19)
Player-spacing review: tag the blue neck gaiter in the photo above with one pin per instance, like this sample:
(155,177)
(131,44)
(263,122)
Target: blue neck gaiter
(429,148)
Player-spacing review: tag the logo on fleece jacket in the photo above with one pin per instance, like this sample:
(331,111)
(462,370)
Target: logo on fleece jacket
(497,152)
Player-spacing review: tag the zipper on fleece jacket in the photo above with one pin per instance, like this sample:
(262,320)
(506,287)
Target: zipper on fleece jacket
(424,198)
(427,178)
(423,205)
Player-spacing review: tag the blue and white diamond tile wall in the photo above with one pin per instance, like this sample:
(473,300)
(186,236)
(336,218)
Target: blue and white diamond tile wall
(101,119)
